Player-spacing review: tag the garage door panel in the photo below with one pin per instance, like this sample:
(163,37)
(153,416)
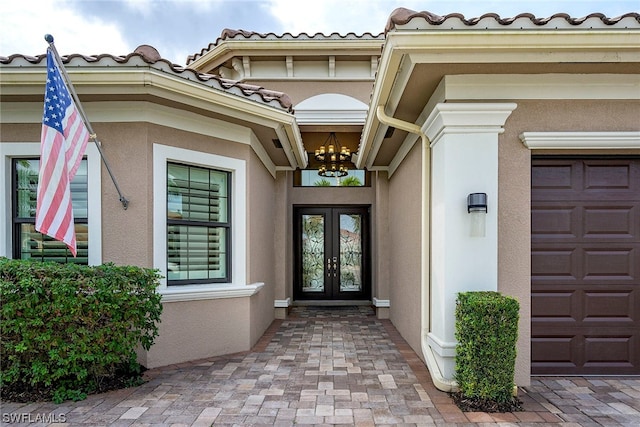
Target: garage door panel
(554,350)
(611,222)
(605,175)
(556,176)
(585,266)
(610,264)
(558,221)
(610,306)
(615,179)
(591,354)
(618,307)
(609,352)
(586,220)
(585,179)
(555,305)
(558,264)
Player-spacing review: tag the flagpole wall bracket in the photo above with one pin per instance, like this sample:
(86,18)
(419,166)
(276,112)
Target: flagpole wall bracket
(49,39)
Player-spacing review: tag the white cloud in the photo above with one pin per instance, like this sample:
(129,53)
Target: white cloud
(327,16)
(359,16)
(23,26)
(178,28)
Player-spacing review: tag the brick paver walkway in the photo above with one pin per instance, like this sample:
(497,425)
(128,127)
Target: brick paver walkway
(328,367)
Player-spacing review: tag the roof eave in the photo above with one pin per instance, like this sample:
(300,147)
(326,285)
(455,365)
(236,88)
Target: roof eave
(149,81)
(227,49)
(405,48)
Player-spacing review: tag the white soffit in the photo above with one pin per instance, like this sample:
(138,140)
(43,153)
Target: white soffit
(331,109)
(581,140)
(542,86)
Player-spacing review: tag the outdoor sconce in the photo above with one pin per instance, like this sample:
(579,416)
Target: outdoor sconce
(477,208)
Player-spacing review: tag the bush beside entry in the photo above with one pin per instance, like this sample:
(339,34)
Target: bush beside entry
(68,329)
(486,331)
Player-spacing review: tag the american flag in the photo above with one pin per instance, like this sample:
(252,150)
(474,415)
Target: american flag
(63,143)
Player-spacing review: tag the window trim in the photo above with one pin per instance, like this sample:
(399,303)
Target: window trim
(11,150)
(162,154)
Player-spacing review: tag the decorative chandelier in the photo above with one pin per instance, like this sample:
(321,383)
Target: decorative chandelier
(333,158)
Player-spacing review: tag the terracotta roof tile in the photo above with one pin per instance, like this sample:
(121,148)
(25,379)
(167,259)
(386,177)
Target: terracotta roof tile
(229,34)
(146,55)
(403,16)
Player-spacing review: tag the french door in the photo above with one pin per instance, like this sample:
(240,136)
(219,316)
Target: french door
(331,253)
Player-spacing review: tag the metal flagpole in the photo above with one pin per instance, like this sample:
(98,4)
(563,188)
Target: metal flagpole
(49,39)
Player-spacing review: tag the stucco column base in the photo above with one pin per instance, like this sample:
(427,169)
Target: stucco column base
(281,308)
(442,382)
(382,312)
(281,313)
(442,363)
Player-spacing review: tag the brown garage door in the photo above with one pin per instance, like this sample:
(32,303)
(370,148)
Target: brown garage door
(585,272)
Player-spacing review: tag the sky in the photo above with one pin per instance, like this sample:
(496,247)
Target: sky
(179,28)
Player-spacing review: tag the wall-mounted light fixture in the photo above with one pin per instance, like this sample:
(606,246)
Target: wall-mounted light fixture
(477,208)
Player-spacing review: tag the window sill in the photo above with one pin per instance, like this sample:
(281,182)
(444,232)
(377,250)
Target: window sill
(203,292)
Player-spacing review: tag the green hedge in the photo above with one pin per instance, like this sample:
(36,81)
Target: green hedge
(486,331)
(67,328)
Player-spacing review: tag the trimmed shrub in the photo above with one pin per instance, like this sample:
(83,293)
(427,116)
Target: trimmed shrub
(68,329)
(486,331)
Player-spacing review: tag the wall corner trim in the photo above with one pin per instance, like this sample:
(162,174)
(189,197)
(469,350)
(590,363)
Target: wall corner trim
(381,302)
(282,303)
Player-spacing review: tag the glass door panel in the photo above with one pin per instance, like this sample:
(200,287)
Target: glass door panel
(313,243)
(350,253)
(331,247)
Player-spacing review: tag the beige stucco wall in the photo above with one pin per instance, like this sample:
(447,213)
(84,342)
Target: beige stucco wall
(514,217)
(191,329)
(330,196)
(127,234)
(195,330)
(283,244)
(380,251)
(261,208)
(405,198)
(300,90)
(222,326)
(514,237)
(14,132)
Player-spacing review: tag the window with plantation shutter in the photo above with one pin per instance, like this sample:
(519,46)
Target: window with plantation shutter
(198,225)
(27,242)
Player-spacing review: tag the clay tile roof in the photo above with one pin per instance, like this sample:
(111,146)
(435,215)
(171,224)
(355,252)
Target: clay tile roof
(401,16)
(146,55)
(229,34)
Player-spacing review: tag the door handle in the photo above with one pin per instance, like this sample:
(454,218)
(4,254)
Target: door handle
(333,266)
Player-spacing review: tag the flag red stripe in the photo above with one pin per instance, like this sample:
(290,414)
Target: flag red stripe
(77,137)
(54,181)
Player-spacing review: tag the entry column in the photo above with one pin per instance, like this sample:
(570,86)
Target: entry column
(464,160)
